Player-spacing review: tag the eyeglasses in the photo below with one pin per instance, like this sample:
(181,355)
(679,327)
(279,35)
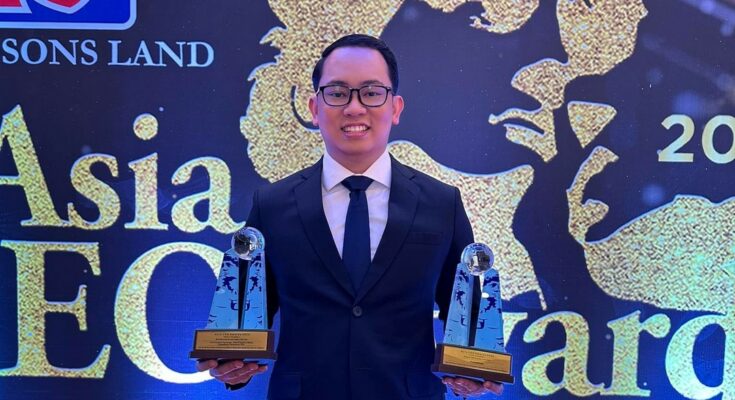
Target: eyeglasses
(369,96)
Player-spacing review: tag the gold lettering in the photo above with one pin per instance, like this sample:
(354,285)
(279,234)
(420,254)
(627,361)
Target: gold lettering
(680,362)
(102,195)
(574,355)
(218,195)
(146,194)
(30,177)
(626,331)
(510,320)
(130,309)
(32,308)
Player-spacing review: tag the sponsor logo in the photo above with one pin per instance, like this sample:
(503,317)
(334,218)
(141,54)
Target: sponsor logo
(67,14)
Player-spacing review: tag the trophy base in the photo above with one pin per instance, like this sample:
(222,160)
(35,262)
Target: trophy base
(234,344)
(473,363)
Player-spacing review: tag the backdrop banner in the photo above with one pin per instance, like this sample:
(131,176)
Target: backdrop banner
(593,142)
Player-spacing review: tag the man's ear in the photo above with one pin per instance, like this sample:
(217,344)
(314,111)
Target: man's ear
(313,109)
(397,109)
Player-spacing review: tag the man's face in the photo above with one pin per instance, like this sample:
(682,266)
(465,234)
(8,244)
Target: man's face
(354,132)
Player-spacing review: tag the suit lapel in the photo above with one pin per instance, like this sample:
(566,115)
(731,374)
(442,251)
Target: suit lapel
(401,211)
(311,210)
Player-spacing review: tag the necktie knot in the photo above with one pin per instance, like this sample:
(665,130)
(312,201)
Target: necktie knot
(357,183)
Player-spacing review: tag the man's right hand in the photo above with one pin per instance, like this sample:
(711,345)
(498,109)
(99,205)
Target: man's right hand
(231,372)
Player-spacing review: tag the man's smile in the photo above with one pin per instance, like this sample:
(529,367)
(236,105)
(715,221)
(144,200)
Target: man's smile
(355,129)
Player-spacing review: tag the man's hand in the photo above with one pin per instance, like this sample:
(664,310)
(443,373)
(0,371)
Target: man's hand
(471,388)
(231,372)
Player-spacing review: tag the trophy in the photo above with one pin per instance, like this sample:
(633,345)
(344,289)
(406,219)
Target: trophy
(237,327)
(474,348)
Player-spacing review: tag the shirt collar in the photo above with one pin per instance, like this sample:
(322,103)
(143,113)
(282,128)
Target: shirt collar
(333,173)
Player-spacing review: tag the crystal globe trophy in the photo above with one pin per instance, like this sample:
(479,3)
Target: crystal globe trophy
(237,327)
(474,347)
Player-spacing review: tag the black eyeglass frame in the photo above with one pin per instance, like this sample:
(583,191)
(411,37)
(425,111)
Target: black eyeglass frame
(388,90)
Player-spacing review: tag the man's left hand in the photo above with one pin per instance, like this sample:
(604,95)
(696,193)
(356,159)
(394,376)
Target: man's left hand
(471,388)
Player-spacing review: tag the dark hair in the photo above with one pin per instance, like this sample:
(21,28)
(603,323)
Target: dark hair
(359,40)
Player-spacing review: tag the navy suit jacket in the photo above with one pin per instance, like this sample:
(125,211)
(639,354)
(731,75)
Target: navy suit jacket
(375,342)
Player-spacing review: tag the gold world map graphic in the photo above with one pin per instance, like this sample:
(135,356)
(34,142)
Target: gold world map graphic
(596,36)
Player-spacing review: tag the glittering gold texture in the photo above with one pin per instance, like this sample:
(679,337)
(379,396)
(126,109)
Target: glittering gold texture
(583,215)
(277,122)
(491,202)
(504,16)
(574,354)
(596,39)
(544,143)
(131,321)
(730,269)
(101,194)
(145,126)
(599,37)
(281,140)
(146,194)
(30,177)
(627,335)
(671,257)
(510,320)
(589,119)
(217,197)
(33,307)
(680,359)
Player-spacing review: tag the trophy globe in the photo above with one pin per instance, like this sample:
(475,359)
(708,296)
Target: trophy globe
(247,242)
(478,258)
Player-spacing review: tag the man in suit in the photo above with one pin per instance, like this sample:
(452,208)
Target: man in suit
(360,247)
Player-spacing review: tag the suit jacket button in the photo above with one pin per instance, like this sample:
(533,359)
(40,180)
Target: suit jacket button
(357,311)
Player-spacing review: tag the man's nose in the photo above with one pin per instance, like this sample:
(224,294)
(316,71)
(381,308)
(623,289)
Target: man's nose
(354,107)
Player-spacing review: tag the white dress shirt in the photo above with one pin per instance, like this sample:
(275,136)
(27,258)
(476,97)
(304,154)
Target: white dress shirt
(336,198)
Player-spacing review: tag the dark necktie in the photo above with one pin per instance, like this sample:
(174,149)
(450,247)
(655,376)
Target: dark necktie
(356,246)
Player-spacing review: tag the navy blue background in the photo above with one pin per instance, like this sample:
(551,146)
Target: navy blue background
(451,79)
